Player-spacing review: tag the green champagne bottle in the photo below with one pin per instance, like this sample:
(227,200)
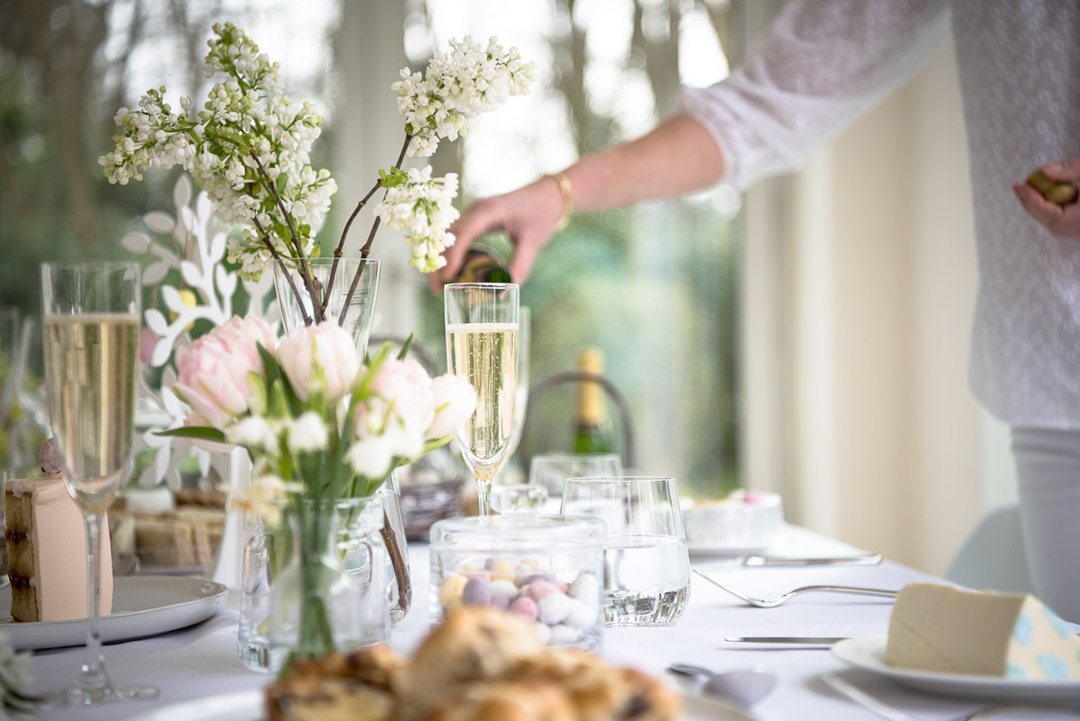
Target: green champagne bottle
(483,265)
(592,427)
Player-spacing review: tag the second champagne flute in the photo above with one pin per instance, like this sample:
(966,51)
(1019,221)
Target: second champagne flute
(482,347)
(91,335)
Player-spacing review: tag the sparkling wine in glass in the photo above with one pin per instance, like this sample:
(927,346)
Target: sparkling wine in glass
(90,324)
(482,347)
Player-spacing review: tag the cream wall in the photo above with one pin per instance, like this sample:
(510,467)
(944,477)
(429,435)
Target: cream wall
(865,262)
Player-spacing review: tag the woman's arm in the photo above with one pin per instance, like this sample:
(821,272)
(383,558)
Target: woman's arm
(677,156)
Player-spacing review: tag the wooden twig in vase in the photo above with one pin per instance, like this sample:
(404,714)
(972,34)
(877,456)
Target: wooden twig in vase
(265,238)
(305,271)
(366,250)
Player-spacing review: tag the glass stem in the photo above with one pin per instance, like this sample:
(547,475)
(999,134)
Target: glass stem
(483,492)
(93,673)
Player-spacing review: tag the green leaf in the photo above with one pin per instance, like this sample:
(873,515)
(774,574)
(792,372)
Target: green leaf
(342,469)
(289,403)
(405,348)
(394,178)
(202,433)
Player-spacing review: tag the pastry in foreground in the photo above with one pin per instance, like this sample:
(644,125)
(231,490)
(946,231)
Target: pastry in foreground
(480,664)
(941,628)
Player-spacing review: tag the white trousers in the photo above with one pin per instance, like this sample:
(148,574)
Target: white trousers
(1048,475)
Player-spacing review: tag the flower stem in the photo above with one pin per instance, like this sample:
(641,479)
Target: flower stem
(305,271)
(265,238)
(401,568)
(366,250)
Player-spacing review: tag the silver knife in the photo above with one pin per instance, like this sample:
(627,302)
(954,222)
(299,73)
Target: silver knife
(871,559)
(789,640)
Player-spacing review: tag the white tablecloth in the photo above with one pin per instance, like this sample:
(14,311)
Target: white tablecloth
(203,660)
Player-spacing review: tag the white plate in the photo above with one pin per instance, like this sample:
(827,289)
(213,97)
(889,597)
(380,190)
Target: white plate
(142,606)
(868,653)
(248,706)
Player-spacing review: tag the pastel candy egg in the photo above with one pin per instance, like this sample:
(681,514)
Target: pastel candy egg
(524,572)
(585,588)
(540,589)
(534,577)
(582,615)
(561,635)
(502,594)
(525,607)
(477,592)
(531,563)
(502,571)
(554,608)
(451,590)
(488,564)
(543,633)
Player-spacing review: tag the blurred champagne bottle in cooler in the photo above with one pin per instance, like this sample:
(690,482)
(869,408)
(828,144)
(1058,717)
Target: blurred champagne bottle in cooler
(592,426)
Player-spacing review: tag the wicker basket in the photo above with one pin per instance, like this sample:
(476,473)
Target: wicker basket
(424,503)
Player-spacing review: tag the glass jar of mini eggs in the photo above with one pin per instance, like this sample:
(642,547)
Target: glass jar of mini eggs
(547,569)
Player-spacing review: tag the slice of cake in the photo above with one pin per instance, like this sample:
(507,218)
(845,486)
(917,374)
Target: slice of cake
(940,628)
(46,545)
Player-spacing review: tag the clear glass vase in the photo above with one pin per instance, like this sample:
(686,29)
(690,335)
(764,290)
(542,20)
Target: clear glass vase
(295,297)
(331,595)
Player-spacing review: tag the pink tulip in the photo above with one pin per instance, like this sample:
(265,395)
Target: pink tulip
(400,407)
(212,373)
(326,347)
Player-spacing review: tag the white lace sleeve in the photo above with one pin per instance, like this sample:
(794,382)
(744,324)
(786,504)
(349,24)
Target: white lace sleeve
(819,65)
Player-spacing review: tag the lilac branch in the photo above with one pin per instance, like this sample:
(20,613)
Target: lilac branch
(265,238)
(305,271)
(345,232)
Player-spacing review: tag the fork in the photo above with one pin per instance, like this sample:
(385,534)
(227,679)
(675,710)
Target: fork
(774,602)
(893,714)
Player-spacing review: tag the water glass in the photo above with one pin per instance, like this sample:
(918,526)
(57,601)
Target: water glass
(551,470)
(518,498)
(646,564)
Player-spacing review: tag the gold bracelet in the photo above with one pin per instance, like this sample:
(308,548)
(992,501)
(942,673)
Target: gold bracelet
(566,188)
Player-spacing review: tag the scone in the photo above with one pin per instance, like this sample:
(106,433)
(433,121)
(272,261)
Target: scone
(345,687)
(470,645)
(599,692)
(507,701)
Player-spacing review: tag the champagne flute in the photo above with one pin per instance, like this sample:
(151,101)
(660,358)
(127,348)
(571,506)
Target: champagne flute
(482,347)
(91,336)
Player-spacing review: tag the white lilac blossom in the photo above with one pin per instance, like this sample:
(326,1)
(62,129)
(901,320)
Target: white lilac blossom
(250,140)
(422,207)
(247,120)
(468,80)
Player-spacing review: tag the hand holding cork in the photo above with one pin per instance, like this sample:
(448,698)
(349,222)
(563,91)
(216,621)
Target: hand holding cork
(1050,196)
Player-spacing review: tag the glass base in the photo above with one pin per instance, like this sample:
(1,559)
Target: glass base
(257,655)
(99,695)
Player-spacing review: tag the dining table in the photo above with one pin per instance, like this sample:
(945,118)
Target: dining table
(202,661)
